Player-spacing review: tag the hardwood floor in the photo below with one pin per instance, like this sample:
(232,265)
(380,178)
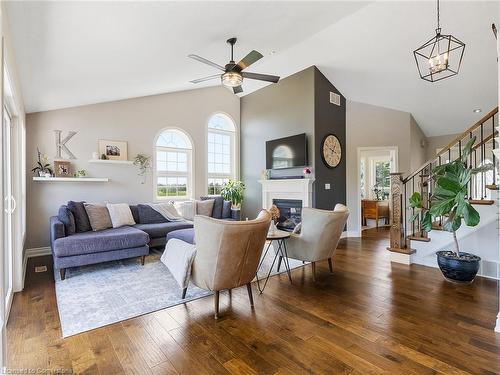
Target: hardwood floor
(368,317)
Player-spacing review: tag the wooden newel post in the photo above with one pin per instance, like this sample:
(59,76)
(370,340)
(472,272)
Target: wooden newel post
(397,235)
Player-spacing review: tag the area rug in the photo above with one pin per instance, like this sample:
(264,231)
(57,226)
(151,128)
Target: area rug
(97,295)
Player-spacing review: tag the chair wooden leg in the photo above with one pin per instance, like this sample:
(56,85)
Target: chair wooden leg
(216,304)
(279,262)
(330,265)
(62,271)
(184,291)
(313,265)
(250,295)
(143,259)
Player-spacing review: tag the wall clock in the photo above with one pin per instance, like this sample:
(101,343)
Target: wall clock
(331,151)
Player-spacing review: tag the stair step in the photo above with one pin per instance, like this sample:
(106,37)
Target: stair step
(496,152)
(419,238)
(485,202)
(492,187)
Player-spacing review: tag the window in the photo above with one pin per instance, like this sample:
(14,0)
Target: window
(173,165)
(221,152)
(382,186)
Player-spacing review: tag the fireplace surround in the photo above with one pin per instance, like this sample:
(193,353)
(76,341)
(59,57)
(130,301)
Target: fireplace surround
(290,213)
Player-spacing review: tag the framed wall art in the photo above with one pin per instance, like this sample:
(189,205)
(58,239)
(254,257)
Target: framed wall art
(113,150)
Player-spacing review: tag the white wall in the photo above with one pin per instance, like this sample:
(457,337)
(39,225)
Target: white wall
(136,121)
(372,126)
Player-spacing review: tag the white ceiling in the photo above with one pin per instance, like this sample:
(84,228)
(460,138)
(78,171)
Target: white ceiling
(74,53)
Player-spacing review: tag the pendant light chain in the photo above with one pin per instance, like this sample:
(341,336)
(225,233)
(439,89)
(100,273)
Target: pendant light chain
(438,30)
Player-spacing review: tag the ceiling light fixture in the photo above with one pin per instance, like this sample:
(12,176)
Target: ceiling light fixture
(232,79)
(439,57)
(477,110)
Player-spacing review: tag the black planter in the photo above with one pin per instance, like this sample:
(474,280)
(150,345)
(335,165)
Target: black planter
(461,269)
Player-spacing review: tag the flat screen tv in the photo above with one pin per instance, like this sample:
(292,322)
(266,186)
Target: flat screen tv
(288,152)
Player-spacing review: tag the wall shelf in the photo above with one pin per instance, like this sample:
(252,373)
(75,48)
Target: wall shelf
(71,179)
(101,161)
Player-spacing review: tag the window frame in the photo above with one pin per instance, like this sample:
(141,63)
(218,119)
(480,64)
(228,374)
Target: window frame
(234,147)
(189,174)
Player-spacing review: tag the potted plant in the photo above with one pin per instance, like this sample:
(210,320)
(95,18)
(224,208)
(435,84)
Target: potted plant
(143,162)
(450,203)
(42,166)
(233,192)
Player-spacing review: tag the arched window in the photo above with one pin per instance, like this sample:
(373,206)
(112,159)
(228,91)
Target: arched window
(173,167)
(221,152)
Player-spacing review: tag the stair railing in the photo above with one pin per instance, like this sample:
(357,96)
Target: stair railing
(402,188)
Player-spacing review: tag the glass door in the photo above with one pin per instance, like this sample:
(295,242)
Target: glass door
(9,206)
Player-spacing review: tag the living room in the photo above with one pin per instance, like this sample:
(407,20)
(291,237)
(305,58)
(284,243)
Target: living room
(188,192)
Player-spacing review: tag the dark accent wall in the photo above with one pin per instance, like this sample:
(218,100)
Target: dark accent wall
(328,119)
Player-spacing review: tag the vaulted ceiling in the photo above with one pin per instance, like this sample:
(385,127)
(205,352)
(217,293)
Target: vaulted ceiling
(74,53)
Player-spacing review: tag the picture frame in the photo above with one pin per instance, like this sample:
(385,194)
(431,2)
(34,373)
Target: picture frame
(62,168)
(113,150)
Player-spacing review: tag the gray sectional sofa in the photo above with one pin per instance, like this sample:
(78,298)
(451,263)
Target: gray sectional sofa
(74,243)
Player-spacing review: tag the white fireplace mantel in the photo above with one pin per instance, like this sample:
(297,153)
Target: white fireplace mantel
(300,188)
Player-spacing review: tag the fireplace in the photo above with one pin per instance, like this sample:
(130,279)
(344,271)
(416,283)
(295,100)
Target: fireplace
(290,213)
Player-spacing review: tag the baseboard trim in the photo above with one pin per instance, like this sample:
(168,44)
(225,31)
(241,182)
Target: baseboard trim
(33,253)
(350,233)
(38,252)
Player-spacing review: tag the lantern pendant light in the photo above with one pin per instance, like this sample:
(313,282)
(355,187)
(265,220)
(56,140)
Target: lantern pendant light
(439,57)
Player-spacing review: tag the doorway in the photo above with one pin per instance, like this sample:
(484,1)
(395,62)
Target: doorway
(374,190)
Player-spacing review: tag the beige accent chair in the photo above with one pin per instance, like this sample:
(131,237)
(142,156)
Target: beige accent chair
(319,236)
(228,253)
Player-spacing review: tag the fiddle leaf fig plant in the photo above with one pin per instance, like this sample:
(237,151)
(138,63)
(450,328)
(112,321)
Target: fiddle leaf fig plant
(233,191)
(449,200)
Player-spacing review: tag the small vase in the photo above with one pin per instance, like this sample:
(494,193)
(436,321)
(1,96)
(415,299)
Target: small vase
(272,228)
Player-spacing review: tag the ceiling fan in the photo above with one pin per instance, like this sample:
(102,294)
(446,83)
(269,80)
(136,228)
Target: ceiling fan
(233,73)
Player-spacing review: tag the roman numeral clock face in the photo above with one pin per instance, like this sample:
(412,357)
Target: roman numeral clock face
(331,151)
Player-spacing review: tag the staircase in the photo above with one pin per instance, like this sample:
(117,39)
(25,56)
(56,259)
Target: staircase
(407,237)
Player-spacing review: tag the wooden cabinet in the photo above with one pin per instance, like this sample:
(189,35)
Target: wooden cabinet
(374,209)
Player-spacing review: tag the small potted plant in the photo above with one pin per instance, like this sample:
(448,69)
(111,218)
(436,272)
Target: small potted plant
(42,167)
(143,162)
(450,203)
(307,172)
(233,191)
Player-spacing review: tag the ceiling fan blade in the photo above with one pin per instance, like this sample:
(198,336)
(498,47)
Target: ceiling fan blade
(249,59)
(208,62)
(237,89)
(205,78)
(261,77)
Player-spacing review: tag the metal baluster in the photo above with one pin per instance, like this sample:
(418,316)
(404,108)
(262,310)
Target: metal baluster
(492,148)
(413,210)
(483,155)
(460,149)
(470,161)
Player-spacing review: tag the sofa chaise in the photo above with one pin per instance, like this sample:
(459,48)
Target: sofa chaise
(73,248)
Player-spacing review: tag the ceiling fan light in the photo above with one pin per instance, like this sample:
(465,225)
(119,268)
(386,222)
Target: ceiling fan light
(232,79)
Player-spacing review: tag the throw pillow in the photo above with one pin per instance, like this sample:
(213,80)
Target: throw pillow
(187,210)
(67,218)
(147,215)
(226,210)
(82,223)
(135,213)
(120,214)
(204,208)
(218,205)
(98,216)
